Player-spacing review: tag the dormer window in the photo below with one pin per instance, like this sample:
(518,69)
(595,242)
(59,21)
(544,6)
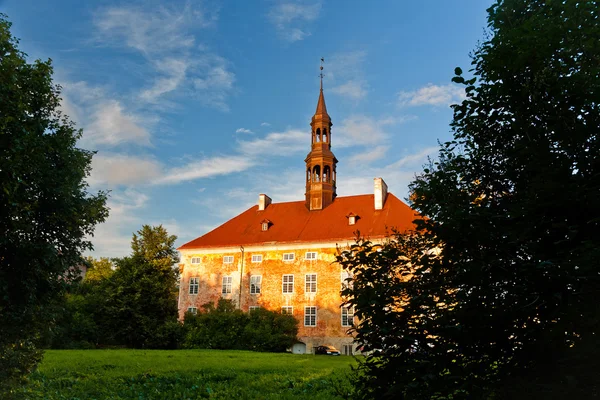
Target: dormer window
(352,218)
(265,224)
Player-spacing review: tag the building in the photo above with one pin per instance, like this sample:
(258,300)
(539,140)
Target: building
(281,256)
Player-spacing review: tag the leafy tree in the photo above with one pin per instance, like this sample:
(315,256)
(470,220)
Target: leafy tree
(224,326)
(99,269)
(509,306)
(46,214)
(154,244)
(139,305)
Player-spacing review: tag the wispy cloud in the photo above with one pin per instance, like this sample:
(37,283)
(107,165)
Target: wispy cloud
(243,130)
(209,167)
(345,71)
(166,37)
(367,157)
(282,143)
(432,95)
(292,19)
(265,124)
(361,130)
(105,120)
(151,30)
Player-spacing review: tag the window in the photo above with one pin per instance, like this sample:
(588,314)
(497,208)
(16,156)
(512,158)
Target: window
(252,308)
(256,258)
(195,260)
(255,284)
(265,226)
(347,316)
(310,256)
(194,285)
(351,220)
(311,283)
(228,260)
(288,256)
(310,316)
(192,310)
(288,284)
(287,310)
(226,287)
(346,279)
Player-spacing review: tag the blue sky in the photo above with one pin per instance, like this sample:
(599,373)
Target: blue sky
(196,107)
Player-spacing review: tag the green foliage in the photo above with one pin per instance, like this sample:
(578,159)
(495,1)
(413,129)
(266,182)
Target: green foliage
(138,303)
(225,327)
(98,269)
(185,374)
(155,245)
(46,214)
(512,206)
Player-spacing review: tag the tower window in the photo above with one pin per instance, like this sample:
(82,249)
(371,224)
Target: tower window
(324,135)
(318,134)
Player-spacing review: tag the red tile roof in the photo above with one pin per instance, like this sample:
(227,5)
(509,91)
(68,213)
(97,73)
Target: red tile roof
(292,222)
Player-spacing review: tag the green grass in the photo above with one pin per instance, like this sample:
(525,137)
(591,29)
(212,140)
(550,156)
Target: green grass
(187,374)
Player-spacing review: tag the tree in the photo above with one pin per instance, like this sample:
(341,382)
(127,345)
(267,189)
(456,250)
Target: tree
(140,302)
(512,206)
(154,244)
(99,269)
(46,213)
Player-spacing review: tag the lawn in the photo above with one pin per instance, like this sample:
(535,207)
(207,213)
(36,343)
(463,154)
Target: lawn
(187,374)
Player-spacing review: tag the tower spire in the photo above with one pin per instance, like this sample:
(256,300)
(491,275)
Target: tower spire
(321,74)
(320,162)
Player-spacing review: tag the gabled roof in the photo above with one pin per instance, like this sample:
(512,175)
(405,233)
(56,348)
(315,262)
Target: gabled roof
(292,222)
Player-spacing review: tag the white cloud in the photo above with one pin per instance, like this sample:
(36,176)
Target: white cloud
(206,168)
(175,71)
(155,30)
(113,237)
(104,120)
(265,124)
(433,95)
(111,126)
(291,19)
(119,169)
(368,156)
(352,89)
(345,71)
(243,130)
(165,37)
(281,143)
(360,130)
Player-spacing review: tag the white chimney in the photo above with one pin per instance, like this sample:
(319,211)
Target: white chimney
(381,191)
(263,201)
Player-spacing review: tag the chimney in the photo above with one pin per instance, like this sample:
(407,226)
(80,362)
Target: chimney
(380,193)
(263,201)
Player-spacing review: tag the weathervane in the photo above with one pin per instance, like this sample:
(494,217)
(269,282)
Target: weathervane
(321,74)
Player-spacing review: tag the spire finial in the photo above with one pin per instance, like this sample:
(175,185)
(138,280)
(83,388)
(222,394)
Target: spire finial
(321,74)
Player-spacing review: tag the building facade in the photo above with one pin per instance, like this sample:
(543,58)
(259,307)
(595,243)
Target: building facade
(281,256)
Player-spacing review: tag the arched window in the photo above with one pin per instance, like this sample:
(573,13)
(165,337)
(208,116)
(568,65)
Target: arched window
(324,135)
(317,173)
(326,174)
(308,175)
(318,134)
